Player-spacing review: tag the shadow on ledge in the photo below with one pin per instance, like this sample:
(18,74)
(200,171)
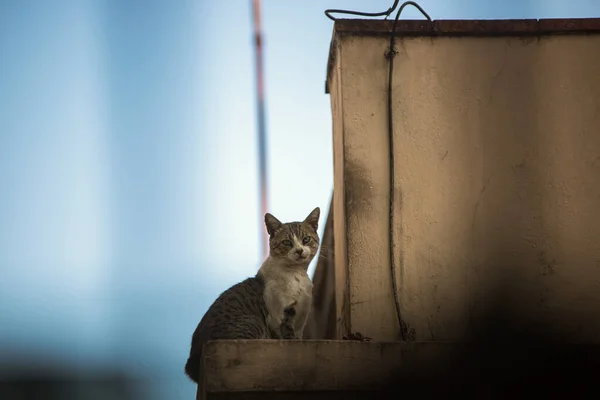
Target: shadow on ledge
(502,360)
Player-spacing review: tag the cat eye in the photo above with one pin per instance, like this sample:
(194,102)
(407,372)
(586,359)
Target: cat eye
(306,240)
(286,243)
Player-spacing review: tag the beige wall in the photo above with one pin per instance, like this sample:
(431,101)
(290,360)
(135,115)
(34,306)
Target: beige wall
(497,165)
(321,320)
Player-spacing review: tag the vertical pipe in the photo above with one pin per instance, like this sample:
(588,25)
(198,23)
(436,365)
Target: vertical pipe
(262,145)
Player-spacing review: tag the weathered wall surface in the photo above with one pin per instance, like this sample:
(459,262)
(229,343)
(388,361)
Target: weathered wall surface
(497,166)
(321,320)
(341,290)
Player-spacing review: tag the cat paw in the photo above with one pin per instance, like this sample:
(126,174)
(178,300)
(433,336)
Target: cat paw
(290,311)
(288,333)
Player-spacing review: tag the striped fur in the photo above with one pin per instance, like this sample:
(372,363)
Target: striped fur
(241,311)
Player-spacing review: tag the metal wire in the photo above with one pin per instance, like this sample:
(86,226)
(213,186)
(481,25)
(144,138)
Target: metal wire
(386,13)
(390,54)
(362,14)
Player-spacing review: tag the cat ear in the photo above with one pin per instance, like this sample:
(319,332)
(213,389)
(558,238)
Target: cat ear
(271,223)
(313,218)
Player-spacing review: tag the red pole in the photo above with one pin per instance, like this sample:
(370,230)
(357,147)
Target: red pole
(262,145)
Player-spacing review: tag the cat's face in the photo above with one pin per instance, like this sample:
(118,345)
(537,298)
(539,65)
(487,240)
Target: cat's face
(295,243)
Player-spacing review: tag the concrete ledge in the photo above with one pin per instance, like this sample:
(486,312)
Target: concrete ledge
(321,369)
(309,365)
(466,27)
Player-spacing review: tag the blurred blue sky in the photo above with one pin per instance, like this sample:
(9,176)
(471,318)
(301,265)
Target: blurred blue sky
(128,163)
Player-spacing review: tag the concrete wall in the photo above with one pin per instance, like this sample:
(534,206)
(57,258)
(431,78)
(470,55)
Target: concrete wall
(497,166)
(321,320)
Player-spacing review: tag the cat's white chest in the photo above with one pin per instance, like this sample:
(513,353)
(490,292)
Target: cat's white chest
(299,286)
(286,289)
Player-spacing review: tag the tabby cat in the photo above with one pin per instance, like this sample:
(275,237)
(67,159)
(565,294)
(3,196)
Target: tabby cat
(272,305)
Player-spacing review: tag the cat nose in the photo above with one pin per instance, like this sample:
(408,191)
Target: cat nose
(299,251)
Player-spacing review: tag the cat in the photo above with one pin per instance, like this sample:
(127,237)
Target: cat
(275,303)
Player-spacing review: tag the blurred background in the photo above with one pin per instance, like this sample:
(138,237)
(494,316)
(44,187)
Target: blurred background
(129,173)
